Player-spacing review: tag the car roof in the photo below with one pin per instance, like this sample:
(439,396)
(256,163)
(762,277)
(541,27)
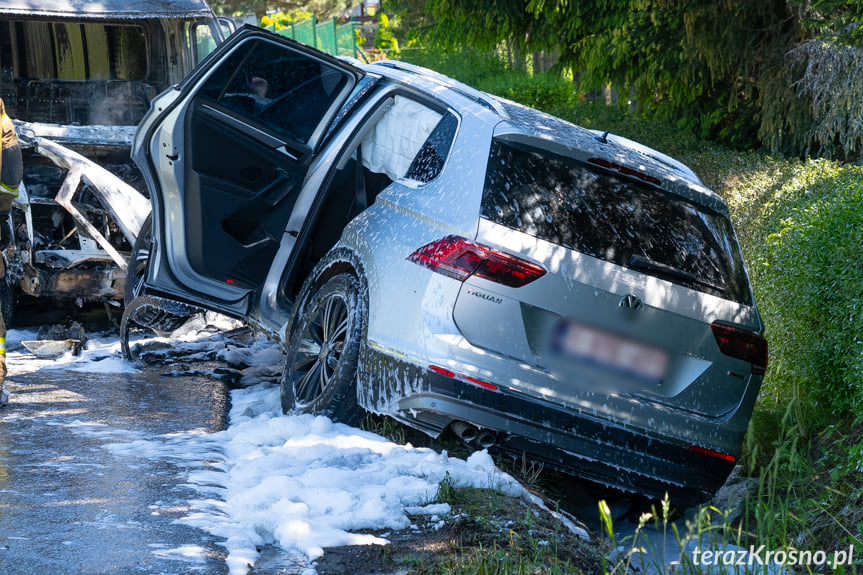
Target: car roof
(121,9)
(558,135)
(555,134)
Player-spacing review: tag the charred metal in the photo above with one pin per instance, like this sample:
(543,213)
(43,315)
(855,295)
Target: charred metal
(77,77)
(75,244)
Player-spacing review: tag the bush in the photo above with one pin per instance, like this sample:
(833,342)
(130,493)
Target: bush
(802,231)
(385,40)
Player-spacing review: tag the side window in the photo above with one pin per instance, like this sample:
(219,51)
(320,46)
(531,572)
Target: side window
(409,140)
(201,40)
(428,163)
(284,90)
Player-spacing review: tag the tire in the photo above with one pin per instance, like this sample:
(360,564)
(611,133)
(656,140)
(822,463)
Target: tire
(8,299)
(139,261)
(323,351)
(160,321)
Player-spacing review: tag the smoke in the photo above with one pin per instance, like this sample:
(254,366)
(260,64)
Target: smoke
(119,104)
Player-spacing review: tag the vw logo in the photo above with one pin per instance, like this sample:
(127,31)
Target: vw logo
(630,301)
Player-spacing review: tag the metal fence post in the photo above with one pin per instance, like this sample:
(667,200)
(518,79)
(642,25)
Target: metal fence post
(354,35)
(335,37)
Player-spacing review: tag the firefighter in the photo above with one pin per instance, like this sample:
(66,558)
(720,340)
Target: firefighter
(11,171)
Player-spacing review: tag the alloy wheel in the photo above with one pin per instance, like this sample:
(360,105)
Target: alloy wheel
(322,344)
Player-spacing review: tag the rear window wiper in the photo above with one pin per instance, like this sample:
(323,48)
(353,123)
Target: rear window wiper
(640,262)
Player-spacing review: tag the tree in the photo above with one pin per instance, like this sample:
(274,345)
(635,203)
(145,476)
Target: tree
(320,8)
(230,7)
(385,40)
(698,63)
(838,20)
(777,72)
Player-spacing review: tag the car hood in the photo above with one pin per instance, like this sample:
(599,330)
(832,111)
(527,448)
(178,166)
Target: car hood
(120,136)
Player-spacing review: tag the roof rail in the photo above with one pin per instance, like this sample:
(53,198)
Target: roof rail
(483,99)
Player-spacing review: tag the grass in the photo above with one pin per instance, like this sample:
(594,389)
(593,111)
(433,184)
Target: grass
(497,534)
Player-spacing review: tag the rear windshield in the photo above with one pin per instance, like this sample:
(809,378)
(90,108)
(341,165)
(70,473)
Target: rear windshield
(610,217)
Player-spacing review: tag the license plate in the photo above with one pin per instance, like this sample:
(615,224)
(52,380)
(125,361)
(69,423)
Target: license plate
(595,346)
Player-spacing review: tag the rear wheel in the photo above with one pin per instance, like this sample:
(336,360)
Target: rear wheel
(323,351)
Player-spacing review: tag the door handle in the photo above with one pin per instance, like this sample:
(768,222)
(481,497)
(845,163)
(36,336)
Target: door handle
(278,190)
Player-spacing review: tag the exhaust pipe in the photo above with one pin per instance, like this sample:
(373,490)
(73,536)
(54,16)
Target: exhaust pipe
(473,436)
(485,439)
(465,431)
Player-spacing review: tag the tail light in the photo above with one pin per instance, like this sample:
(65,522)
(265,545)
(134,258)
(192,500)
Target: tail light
(712,453)
(458,258)
(451,374)
(742,344)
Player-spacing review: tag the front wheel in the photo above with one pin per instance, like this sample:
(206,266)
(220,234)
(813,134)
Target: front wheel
(162,321)
(323,351)
(139,262)
(8,298)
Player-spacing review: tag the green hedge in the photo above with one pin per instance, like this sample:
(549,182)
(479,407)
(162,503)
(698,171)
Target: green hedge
(801,227)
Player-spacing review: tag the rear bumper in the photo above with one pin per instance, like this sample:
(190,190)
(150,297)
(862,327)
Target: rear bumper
(595,449)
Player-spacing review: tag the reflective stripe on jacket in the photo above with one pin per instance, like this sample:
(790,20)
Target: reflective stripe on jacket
(11,161)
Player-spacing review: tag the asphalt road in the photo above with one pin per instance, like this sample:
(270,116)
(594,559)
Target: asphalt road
(68,505)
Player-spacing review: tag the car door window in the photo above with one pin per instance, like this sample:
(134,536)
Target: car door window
(286,91)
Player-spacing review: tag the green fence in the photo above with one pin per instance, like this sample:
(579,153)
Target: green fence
(329,36)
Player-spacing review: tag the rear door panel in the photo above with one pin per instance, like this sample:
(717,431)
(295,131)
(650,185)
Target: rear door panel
(239,192)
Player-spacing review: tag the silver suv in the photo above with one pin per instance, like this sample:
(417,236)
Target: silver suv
(433,253)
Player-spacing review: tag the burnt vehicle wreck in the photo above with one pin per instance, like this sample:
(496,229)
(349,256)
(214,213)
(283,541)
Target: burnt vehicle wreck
(77,78)
(73,245)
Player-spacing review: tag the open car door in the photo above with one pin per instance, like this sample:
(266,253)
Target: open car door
(225,160)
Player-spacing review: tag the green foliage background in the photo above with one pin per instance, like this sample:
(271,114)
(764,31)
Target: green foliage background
(783,74)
